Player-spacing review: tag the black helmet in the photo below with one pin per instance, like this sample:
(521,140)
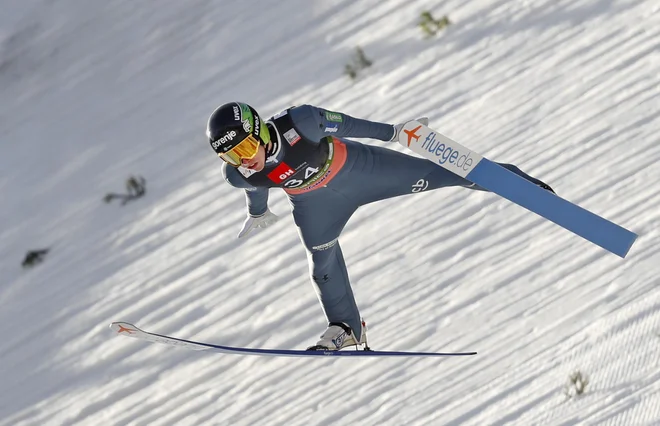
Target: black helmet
(231,123)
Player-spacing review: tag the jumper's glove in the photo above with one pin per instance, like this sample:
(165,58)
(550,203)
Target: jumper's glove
(252,222)
(398,127)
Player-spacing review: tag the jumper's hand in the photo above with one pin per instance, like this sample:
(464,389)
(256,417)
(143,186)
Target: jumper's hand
(252,222)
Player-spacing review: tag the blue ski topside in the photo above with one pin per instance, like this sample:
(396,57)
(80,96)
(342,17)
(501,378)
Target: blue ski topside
(580,221)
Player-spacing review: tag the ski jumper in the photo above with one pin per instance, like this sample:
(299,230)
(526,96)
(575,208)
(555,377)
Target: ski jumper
(327,178)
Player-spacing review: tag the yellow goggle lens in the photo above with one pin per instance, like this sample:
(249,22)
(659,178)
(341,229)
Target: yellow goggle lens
(245,150)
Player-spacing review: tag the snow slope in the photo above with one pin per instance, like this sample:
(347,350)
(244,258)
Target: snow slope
(92,92)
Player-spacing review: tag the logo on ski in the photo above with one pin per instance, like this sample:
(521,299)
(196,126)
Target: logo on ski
(123,329)
(412,134)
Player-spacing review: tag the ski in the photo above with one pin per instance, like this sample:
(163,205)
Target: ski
(130,330)
(460,160)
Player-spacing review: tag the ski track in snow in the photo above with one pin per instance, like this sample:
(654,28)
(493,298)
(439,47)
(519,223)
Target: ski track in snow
(567,90)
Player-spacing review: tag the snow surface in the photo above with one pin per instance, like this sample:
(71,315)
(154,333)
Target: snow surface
(92,92)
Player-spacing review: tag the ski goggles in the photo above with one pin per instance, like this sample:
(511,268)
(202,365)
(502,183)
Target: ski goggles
(244,150)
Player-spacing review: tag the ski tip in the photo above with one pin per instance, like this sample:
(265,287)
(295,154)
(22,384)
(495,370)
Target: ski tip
(124,328)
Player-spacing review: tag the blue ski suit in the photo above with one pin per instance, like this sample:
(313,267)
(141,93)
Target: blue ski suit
(327,178)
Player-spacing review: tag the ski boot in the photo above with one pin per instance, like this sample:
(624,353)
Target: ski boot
(338,335)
